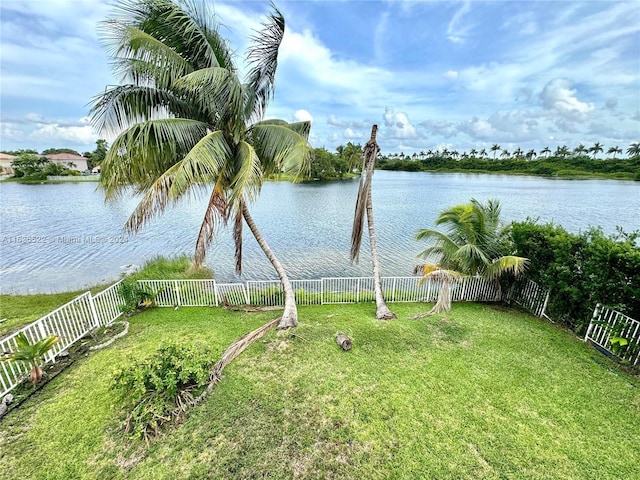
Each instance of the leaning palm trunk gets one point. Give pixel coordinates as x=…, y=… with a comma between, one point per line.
x=290, y=315
x=364, y=205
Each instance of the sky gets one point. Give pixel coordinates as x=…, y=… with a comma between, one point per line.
x=431, y=74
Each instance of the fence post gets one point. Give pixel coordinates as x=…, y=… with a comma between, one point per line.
x=594, y=317
x=322, y=291
x=544, y=305
x=245, y=287
x=94, y=312
x=393, y=289
x=358, y=291
x=177, y=290
x=215, y=292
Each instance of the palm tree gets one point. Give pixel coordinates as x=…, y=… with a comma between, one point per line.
x=495, y=148
x=545, y=151
x=31, y=353
x=562, y=151
x=518, y=153
x=580, y=150
x=473, y=152
x=364, y=205
x=614, y=150
x=596, y=149
x=473, y=243
x=185, y=120
x=505, y=153
x=634, y=149
x=531, y=154
x=483, y=153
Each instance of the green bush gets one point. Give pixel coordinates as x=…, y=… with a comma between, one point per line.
x=158, y=389
x=135, y=295
x=581, y=270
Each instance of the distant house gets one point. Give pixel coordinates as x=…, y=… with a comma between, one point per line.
x=69, y=160
x=5, y=164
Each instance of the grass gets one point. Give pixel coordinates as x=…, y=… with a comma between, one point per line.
x=482, y=392
x=20, y=310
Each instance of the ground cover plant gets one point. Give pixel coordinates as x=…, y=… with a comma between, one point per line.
x=482, y=392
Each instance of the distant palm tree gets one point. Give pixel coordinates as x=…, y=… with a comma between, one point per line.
x=483, y=153
x=364, y=206
x=596, y=149
x=634, y=149
x=518, y=153
x=531, y=154
x=473, y=152
x=505, y=153
x=454, y=154
x=580, y=150
x=562, y=151
x=545, y=151
x=495, y=149
x=422, y=155
x=472, y=244
x=614, y=150
x=186, y=120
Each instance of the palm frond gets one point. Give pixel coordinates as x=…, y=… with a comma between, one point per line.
x=144, y=152
x=139, y=57
x=203, y=164
x=216, y=92
x=248, y=174
x=507, y=264
x=262, y=56
x=282, y=147
x=215, y=214
x=123, y=106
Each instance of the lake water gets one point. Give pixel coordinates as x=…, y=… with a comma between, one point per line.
x=63, y=236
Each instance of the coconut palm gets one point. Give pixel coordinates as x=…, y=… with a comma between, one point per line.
x=531, y=154
x=31, y=353
x=364, y=206
x=562, y=151
x=187, y=124
x=580, y=150
x=545, y=151
x=596, y=149
x=473, y=243
x=483, y=153
x=495, y=148
x=634, y=149
x=518, y=153
x=614, y=150
x=505, y=153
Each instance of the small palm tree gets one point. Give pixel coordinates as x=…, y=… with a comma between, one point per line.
x=531, y=154
x=473, y=244
x=495, y=149
x=545, y=151
x=32, y=353
x=580, y=150
x=505, y=153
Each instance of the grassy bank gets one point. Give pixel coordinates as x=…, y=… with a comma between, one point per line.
x=482, y=392
x=20, y=310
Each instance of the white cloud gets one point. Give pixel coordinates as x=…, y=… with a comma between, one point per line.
x=303, y=116
x=456, y=32
x=559, y=99
x=451, y=75
x=397, y=125
x=60, y=134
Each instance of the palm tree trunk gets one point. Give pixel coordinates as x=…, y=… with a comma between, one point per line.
x=382, y=311
x=290, y=315
x=371, y=152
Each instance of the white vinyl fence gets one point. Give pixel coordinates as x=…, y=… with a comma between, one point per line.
x=528, y=294
x=616, y=333
x=86, y=312
x=70, y=322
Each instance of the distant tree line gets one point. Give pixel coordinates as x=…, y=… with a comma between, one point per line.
x=580, y=161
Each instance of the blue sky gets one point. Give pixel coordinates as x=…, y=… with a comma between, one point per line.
x=431, y=74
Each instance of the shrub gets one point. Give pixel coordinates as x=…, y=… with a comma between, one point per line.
x=135, y=296
x=160, y=388
x=581, y=270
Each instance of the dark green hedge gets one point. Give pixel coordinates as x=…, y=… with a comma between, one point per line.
x=581, y=270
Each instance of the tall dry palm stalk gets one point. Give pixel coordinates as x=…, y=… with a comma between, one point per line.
x=186, y=123
x=364, y=206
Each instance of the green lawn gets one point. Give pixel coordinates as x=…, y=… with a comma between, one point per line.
x=482, y=392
